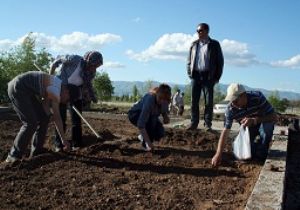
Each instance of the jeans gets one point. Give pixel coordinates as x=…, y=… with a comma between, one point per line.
x=35, y=121
x=154, y=127
x=76, y=120
x=207, y=87
x=260, y=146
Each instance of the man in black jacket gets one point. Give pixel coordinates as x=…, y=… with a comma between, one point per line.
x=204, y=67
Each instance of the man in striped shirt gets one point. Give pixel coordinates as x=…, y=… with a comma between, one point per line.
x=249, y=108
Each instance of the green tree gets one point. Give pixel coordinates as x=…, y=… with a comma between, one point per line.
x=218, y=95
x=149, y=84
x=174, y=89
x=19, y=60
x=135, y=93
x=278, y=105
x=103, y=86
x=188, y=94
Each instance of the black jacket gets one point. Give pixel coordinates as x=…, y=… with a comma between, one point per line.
x=215, y=56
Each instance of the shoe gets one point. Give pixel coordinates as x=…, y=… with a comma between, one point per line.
x=38, y=152
x=11, y=159
x=74, y=148
x=140, y=137
x=146, y=147
x=207, y=129
x=192, y=127
x=58, y=149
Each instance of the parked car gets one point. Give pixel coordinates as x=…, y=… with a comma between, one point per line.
x=219, y=109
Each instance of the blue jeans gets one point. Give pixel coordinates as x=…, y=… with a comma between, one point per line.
x=154, y=127
x=260, y=146
x=207, y=87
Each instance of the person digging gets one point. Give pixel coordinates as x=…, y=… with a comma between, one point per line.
x=35, y=96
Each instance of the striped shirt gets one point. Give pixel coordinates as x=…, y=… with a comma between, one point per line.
x=257, y=106
x=71, y=63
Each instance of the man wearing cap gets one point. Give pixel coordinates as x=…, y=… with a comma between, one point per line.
x=204, y=67
x=77, y=73
x=249, y=108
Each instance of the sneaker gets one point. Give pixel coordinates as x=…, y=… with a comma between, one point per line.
x=38, y=152
x=11, y=159
x=74, y=148
x=146, y=147
x=58, y=149
x=207, y=129
x=140, y=137
x=192, y=127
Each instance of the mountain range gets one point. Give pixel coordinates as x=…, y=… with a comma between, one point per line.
x=126, y=87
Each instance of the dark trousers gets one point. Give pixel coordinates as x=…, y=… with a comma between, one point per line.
x=260, y=146
x=202, y=84
x=153, y=127
x=34, y=119
x=76, y=120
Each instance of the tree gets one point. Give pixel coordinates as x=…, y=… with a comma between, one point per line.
x=135, y=93
x=148, y=86
x=19, y=60
x=187, y=94
x=218, y=95
x=174, y=89
x=103, y=86
x=278, y=105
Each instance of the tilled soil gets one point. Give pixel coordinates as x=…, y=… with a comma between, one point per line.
x=115, y=173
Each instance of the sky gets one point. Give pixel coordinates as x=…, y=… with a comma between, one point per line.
x=149, y=40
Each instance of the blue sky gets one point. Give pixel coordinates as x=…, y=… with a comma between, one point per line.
x=142, y=40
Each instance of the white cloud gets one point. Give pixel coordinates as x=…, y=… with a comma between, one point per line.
x=293, y=62
x=237, y=53
x=112, y=65
x=176, y=46
x=68, y=43
x=167, y=47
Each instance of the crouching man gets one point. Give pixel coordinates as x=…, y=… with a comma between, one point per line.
x=249, y=108
x=32, y=94
x=145, y=115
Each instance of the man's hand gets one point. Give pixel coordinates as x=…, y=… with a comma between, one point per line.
x=249, y=122
x=216, y=160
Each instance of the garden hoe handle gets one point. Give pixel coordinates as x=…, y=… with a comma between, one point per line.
x=36, y=66
x=86, y=122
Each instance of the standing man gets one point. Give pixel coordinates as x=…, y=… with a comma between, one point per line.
x=77, y=73
x=251, y=109
x=204, y=67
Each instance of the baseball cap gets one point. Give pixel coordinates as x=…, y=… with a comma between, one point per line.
x=233, y=91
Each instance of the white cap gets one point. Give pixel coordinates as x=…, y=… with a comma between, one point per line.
x=233, y=91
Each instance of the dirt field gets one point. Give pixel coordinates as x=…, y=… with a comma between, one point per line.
x=115, y=173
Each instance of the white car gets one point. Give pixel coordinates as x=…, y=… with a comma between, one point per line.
x=220, y=108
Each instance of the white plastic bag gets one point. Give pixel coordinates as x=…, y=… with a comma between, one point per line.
x=241, y=144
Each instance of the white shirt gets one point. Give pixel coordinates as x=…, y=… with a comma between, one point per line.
x=54, y=87
x=202, y=58
x=75, y=78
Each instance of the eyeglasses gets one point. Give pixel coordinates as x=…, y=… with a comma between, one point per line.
x=200, y=30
